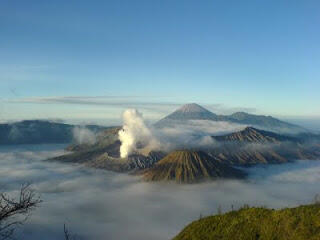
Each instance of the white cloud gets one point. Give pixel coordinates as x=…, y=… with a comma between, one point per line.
x=84, y=135
x=120, y=206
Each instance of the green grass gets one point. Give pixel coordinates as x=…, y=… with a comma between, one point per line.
x=301, y=223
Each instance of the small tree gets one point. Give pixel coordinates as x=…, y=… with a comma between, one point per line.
x=67, y=235
x=15, y=211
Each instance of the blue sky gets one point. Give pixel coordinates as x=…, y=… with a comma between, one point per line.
x=258, y=56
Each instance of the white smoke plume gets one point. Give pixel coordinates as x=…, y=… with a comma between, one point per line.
x=83, y=135
x=134, y=132
x=193, y=133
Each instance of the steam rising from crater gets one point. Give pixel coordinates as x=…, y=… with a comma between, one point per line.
x=137, y=136
x=134, y=131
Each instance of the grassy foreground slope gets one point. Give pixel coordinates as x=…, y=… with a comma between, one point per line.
x=300, y=223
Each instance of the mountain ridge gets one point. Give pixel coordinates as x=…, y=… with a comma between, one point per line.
x=251, y=134
x=194, y=111
x=257, y=223
x=39, y=132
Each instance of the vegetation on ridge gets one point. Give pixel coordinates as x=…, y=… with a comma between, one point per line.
x=300, y=223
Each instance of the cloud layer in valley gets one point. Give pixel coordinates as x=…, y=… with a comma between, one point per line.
x=97, y=204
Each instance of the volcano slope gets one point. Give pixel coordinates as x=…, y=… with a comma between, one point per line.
x=105, y=154
x=186, y=166
x=300, y=223
x=253, y=146
x=243, y=148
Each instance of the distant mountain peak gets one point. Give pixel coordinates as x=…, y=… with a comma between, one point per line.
x=191, y=111
x=192, y=108
x=250, y=129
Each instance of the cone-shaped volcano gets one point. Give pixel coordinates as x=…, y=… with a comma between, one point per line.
x=190, y=166
x=191, y=111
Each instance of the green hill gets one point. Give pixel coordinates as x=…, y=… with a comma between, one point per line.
x=300, y=223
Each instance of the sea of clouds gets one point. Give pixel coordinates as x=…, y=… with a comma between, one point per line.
x=99, y=205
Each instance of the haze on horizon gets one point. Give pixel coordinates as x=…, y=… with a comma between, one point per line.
x=163, y=79
x=82, y=61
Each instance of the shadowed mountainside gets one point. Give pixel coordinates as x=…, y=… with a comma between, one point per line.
x=190, y=166
x=253, y=146
x=253, y=135
x=105, y=154
x=107, y=138
x=267, y=123
x=300, y=223
x=39, y=132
